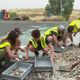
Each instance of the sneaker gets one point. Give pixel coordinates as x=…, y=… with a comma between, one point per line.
x=36, y=54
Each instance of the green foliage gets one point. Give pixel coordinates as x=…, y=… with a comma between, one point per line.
x=12, y=14
x=79, y=18
x=59, y=7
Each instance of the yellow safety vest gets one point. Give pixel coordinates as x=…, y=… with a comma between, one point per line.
x=75, y=24
x=42, y=40
x=54, y=29
x=3, y=45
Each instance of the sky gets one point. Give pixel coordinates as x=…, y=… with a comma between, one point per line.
x=11, y=4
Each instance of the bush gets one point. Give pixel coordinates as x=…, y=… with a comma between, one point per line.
x=59, y=18
x=54, y=18
x=12, y=14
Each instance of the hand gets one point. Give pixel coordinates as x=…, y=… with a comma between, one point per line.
x=17, y=47
x=17, y=59
x=71, y=44
x=74, y=34
x=64, y=45
x=23, y=50
x=26, y=58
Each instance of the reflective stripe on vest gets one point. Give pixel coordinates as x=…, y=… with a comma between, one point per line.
x=42, y=40
x=43, y=43
x=34, y=43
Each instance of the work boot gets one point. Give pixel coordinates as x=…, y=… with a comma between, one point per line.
x=36, y=54
x=44, y=54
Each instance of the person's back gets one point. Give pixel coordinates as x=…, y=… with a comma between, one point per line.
x=50, y=31
x=74, y=26
x=75, y=22
x=55, y=34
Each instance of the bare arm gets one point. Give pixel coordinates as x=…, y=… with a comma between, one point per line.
x=27, y=48
x=56, y=41
x=10, y=53
x=65, y=35
x=19, y=48
x=71, y=38
x=51, y=52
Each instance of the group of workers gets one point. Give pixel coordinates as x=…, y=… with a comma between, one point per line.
x=10, y=45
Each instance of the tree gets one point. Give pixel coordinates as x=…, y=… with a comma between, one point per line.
x=59, y=7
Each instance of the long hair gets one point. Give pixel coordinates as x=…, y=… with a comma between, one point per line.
x=12, y=36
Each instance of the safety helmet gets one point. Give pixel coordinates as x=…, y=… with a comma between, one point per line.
x=61, y=27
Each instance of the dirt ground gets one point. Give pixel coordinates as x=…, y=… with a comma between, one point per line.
x=61, y=67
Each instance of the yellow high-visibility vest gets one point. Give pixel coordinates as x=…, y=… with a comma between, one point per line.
x=54, y=29
x=42, y=40
x=3, y=45
x=75, y=24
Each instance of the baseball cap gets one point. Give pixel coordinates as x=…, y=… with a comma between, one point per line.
x=61, y=27
x=18, y=30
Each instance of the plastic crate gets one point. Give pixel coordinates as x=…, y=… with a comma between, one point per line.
x=25, y=67
x=43, y=64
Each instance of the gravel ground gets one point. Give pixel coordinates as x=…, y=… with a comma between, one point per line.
x=61, y=71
